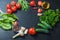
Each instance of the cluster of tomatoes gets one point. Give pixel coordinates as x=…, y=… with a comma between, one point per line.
x=12, y=7
x=33, y=4
x=41, y=6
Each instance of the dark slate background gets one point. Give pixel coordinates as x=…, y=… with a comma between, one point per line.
x=29, y=19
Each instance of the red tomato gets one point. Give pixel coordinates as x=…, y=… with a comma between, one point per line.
x=39, y=3
x=13, y=3
x=18, y=5
x=32, y=3
x=32, y=31
x=40, y=10
x=9, y=11
x=8, y=6
x=14, y=8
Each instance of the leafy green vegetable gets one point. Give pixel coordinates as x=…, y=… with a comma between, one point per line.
x=48, y=19
x=7, y=20
x=50, y=16
x=24, y=3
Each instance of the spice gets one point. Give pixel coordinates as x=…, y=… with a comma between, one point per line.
x=45, y=5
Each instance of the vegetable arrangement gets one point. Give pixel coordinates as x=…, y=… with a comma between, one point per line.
x=47, y=19
x=33, y=31
x=41, y=5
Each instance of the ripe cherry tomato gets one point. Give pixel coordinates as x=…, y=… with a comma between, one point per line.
x=8, y=6
x=14, y=8
x=13, y=3
x=9, y=11
x=32, y=31
x=18, y=5
x=40, y=10
x=39, y=3
x=32, y=3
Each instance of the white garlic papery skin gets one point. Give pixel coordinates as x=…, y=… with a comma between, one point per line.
x=39, y=14
x=16, y=35
x=26, y=31
x=20, y=33
x=23, y=28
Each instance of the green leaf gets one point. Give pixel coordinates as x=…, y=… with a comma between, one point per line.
x=50, y=16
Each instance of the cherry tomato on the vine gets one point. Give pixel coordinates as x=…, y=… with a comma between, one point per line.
x=8, y=6
x=18, y=5
x=40, y=10
x=14, y=8
x=39, y=3
x=9, y=11
x=32, y=3
x=13, y=3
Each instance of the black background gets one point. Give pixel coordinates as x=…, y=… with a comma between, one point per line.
x=28, y=19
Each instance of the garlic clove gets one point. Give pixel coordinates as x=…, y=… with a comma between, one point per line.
x=39, y=14
x=23, y=28
x=26, y=31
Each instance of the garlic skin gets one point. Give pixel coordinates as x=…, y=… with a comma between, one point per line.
x=39, y=14
x=19, y=33
x=26, y=31
x=23, y=31
x=23, y=28
x=16, y=35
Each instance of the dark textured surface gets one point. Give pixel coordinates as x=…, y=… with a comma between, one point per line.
x=29, y=19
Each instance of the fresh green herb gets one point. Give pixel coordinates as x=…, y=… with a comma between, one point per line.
x=24, y=3
x=7, y=20
x=50, y=17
